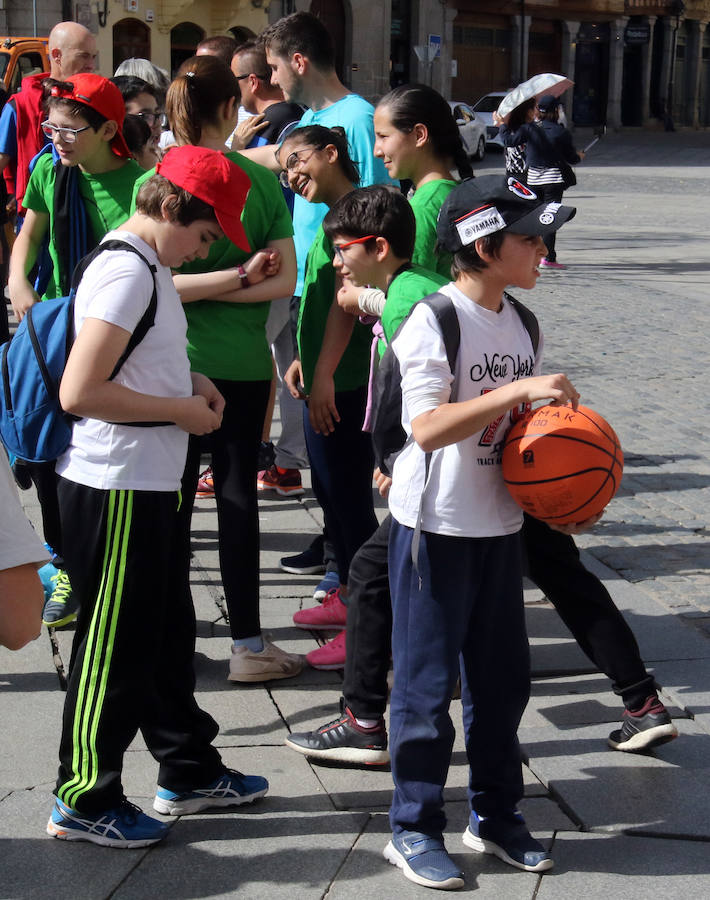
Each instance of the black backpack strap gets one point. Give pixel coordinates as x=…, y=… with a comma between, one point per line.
x=147, y=320
x=528, y=318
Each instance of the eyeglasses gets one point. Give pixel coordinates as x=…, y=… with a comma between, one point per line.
x=292, y=160
x=68, y=135
x=150, y=118
x=255, y=74
x=340, y=247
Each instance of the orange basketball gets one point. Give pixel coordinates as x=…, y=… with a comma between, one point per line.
x=562, y=466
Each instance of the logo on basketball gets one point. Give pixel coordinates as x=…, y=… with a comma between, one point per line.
x=528, y=458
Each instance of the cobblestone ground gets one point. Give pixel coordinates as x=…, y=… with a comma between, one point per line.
x=628, y=322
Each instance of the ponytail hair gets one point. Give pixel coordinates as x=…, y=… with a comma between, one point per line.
x=414, y=104
x=318, y=137
x=201, y=86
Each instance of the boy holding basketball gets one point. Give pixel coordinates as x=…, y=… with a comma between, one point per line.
x=455, y=567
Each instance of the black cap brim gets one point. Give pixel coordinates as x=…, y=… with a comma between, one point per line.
x=542, y=220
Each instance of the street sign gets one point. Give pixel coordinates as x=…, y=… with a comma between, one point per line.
x=434, y=46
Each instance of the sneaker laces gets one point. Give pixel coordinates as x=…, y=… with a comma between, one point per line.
x=332, y=597
x=61, y=591
x=128, y=812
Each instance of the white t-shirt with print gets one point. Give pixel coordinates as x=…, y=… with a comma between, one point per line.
x=117, y=288
x=465, y=494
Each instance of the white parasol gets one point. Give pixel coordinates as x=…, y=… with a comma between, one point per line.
x=536, y=86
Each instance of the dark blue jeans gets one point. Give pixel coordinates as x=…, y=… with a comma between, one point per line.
x=464, y=606
x=341, y=474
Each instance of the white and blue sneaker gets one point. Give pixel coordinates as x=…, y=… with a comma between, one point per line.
x=229, y=789
x=126, y=826
x=423, y=859
x=329, y=582
x=507, y=837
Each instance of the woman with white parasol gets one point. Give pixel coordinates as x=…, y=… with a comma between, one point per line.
x=549, y=149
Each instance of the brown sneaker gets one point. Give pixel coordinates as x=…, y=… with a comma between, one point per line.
x=270, y=663
x=286, y=482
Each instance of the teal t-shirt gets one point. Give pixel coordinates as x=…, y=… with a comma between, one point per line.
x=426, y=203
x=405, y=289
x=354, y=115
x=106, y=195
x=228, y=340
x=317, y=297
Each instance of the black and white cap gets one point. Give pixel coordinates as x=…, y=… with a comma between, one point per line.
x=482, y=206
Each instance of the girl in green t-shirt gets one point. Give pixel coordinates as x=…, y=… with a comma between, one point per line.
x=226, y=299
x=332, y=371
x=418, y=140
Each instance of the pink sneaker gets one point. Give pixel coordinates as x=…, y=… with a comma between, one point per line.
x=548, y=264
x=329, y=616
x=330, y=655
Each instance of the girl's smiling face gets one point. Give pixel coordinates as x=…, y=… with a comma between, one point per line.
x=395, y=148
x=307, y=169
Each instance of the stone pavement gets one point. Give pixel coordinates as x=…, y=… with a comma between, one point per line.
x=628, y=322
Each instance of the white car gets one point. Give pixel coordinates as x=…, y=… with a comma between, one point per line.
x=471, y=129
x=485, y=107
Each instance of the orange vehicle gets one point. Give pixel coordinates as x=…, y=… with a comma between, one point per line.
x=20, y=56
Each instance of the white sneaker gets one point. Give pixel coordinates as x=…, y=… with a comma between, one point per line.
x=271, y=662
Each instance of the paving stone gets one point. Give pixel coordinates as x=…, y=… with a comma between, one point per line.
x=36, y=866
x=599, y=866
x=615, y=791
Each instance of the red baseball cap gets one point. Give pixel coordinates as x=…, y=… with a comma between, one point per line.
x=102, y=95
x=210, y=176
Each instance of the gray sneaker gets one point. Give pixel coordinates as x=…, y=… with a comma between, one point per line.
x=61, y=608
x=270, y=663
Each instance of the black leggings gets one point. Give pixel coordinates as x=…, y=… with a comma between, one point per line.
x=550, y=193
x=581, y=600
x=234, y=448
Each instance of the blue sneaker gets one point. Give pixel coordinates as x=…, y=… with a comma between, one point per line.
x=125, y=826
x=331, y=580
x=230, y=789
x=423, y=860
x=46, y=574
x=507, y=837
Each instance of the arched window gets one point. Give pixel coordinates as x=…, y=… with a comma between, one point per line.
x=184, y=39
x=131, y=38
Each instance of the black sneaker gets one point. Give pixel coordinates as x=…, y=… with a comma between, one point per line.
x=644, y=728
x=267, y=456
x=343, y=740
x=310, y=562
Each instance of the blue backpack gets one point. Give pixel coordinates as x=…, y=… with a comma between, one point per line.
x=33, y=426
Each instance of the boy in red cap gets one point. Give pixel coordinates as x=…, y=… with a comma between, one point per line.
x=119, y=495
x=81, y=187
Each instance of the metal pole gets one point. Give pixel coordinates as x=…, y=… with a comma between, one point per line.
x=521, y=77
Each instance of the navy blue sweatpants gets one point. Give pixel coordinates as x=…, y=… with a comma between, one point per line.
x=463, y=606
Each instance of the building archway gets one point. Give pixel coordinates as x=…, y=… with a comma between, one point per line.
x=131, y=40
x=333, y=15
x=184, y=39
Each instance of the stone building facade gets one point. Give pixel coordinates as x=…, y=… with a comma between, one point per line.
x=634, y=62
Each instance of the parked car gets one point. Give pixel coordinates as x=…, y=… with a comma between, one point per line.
x=485, y=107
x=20, y=56
x=471, y=128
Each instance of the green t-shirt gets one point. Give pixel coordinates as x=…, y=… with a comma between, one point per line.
x=316, y=299
x=426, y=203
x=106, y=196
x=403, y=292
x=228, y=340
